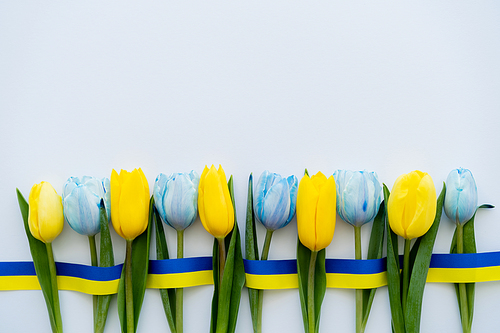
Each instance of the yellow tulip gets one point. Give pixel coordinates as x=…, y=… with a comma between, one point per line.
x=412, y=205
x=214, y=202
x=129, y=203
x=316, y=211
x=45, y=217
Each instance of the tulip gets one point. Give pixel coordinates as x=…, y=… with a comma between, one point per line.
x=274, y=206
x=214, y=203
x=46, y=221
x=412, y=205
x=129, y=203
x=176, y=198
x=81, y=201
x=359, y=194
x=358, y=201
x=275, y=199
x=460, y=202
x=45, y=215
x=316, y=202
x=129, y=215
x=411, y=210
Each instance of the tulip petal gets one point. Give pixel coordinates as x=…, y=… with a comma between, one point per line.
x=201, y=200
x=180, y=209
x=159, y=189
x=81, y=210
x=50, y=213
x=325, y=214
x=425, y=211
x=396, y=206
x=293, y=187
x=115, y=184
x=229, y=202
x=215, y=204
x=276, y=206
x=260, y=194
x=307, y=200
x=33, y=211
x=132, y=207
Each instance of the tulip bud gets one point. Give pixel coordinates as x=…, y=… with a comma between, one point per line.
x=275, y=199
x=412, y=205
x=316, y=202
x=176, y=198
x=129, y=203
x=460, y=202
x=45, y=217
x=214, y=202
x=359, y=194
x=81, y=202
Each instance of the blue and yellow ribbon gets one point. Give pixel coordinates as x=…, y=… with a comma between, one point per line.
x=268, y=274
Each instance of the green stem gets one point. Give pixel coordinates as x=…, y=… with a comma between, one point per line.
x=55, y=292
x=265, y=253
x=464, y=307
x=359, y=292
x=129, y=300
x=93, y=259
x=310, y=293
x=179, y=291
x=406, y=272
x=222, y=258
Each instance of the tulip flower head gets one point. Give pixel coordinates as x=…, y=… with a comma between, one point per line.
x=129, y=203
x=412, y=205
x=359, y=194
x=45, y=217
x=81, y=202
x=460, y=202
x=275, y=199
x=316, y=211
x=176, y=198
x=214, y=202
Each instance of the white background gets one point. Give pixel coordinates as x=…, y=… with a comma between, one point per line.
x=391, y=87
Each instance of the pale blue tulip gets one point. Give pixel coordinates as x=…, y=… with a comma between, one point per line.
x=460, y=201
x=81, y=201
x=359, y=194
x=176, y=198
x=275, y=200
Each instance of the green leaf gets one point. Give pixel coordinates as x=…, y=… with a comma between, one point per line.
x=375, y=251
x=251, y=251
x=41, y=262
x=303, y=259
x=140, y=264
x=393, y=275
x=106, y=259
x=233, y=279
x=420, y=269
x=167, y=295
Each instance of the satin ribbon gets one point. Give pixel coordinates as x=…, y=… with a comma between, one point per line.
x=268, y=274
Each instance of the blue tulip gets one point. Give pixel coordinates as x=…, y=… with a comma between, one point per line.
x=460, y=201
x=176, y=198
x=81, y=201
x=359, y=194
x=275, y=200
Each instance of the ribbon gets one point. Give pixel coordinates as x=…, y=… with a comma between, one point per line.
x=267, y=274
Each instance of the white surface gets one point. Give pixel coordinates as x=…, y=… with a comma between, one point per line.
x=87, y=86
